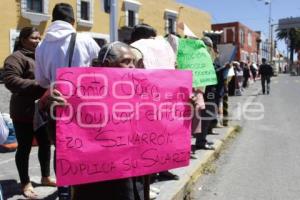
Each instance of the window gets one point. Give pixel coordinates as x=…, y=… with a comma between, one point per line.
x=229, y=35
x=245, y=56
x=171, y=25
x=170, y=20
x=242, y=37
x=35, y=6
x=249, y=39
x=85, y=13
x=35, y=10
x=84, y=10
x=131, y=18
x=131, y=8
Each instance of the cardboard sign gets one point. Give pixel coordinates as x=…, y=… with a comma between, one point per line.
x=192, y=55
x=121, y=123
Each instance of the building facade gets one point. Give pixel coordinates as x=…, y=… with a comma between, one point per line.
x=163, y=15
x=245, y=41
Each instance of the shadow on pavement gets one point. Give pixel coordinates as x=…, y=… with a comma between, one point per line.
x=10, y=188
x=52, y=196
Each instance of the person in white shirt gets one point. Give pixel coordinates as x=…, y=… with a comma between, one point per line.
x=52, y=52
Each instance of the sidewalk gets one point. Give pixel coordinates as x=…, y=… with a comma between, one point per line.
x=169, y=190
x=178, y=189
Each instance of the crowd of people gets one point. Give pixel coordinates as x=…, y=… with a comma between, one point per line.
x=31, y=69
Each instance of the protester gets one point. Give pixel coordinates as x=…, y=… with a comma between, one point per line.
x=238, y=78
x=265, y=71
x=19, y=79
x=142, y=31
x=62, y=47
x=115, y=54
x=220, y=71
x=138, y=61
x=246, y=74
x=53, y=51
x=253, y=69
x=209, y=114
x=152, y=47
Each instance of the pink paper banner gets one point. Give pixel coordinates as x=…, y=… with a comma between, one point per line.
x=121, y=123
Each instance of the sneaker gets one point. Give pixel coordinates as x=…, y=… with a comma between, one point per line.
x=212, y=133
x=154, y=189
x=206, y=147
x=152, y=195
x=209, y=147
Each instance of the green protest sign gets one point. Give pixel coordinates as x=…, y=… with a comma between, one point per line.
x=192, y=55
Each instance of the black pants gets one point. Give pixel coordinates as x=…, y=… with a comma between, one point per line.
x=245, y=82
x=121, y=189
x=24, y=134
x=208, y=116
x=265, y=79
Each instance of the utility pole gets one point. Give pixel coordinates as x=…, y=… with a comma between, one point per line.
x=270, y=29
x=113, y=20
x=270, y=37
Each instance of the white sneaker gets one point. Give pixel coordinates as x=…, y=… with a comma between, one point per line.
x=152, y=195
x=154, y=189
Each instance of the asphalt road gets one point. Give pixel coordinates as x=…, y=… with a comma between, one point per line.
x=263, y=163
x=4, y=99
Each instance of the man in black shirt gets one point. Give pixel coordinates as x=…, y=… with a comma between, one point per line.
x=265, y=71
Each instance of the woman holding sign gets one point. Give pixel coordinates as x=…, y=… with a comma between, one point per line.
x=115, y=54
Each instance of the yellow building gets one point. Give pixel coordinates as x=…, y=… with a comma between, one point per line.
x=163, y=15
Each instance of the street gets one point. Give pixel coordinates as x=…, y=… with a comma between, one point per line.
x=263, y=162
x=8, y=174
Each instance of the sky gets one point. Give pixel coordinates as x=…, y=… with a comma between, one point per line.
x=252, y=13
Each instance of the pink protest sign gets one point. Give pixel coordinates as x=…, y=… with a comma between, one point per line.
x=121, y=123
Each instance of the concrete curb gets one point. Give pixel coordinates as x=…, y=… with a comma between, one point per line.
x=187, y=182
x=178, y=190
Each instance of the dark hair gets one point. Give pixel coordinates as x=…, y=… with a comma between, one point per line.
x=142, y=31
x=24, y=34
x=64, y=12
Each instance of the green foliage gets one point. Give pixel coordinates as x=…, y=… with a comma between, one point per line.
x=292, y=34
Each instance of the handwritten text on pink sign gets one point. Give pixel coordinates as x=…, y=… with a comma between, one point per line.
x=121, y=123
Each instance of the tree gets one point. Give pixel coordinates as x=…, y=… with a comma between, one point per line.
x=293, y=35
